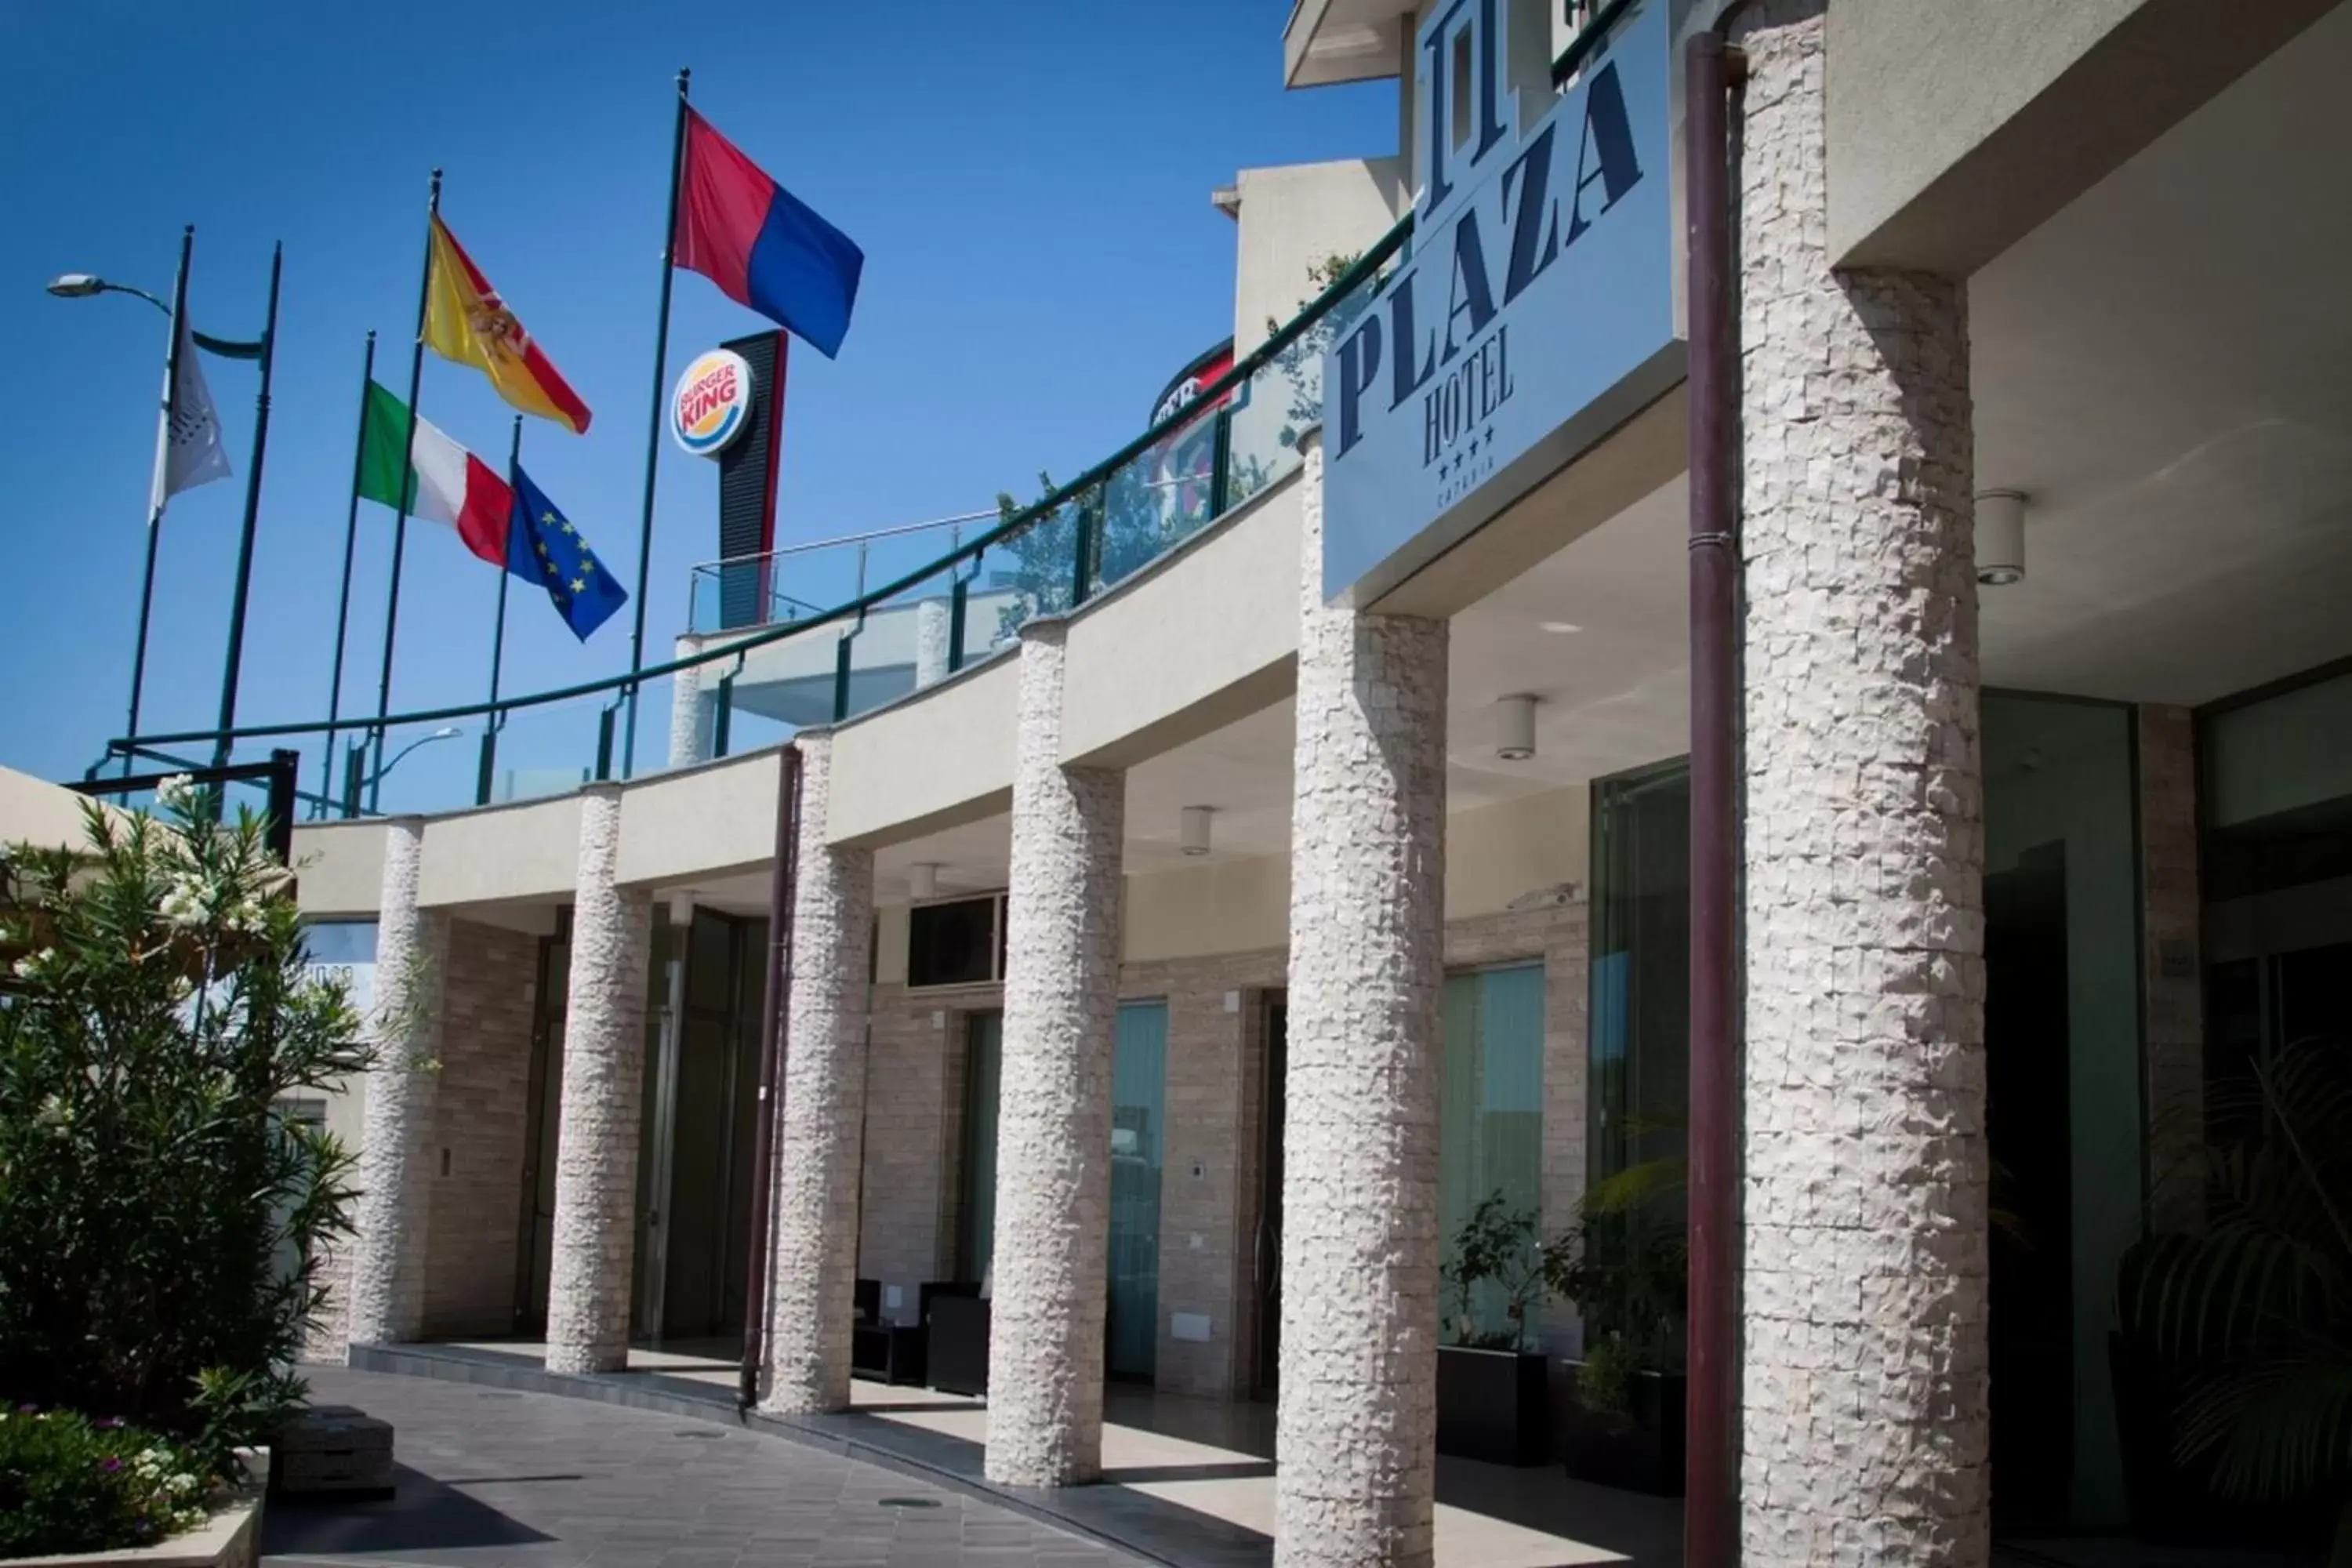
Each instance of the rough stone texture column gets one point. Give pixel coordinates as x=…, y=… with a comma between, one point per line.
x=820, y=1126
x=386, y=1285
x=1053, y=1139
x=2172, y=963
x=1864, y=1240
x=932, y=624
x=1356, y=1473
x=693, y=716
x=604, y=1093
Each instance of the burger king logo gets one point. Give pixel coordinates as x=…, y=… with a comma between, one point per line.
x=712, y=403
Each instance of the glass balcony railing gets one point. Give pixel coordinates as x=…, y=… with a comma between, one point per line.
x=819, y=633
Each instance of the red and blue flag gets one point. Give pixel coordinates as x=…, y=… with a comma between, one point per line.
x=762, y=245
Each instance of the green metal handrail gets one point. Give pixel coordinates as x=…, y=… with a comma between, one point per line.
x=1365, y=267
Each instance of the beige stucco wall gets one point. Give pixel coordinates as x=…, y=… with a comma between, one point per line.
x=1293, y=218
x=530, y=850
x=700, y=821
x=934, y=759
x=1199, y=639
x=37, y=812
x=339, y=869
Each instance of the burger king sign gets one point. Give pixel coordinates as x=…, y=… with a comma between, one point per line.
x=711, y=405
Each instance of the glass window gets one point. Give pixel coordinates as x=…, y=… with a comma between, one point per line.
x=1490, y=1126
x=953, y=944
x=1138, y=1083
x=2275, y=787
x=1639, y=1077
x=2063, y=1103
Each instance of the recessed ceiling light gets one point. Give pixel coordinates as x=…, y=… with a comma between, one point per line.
x=1562, y=627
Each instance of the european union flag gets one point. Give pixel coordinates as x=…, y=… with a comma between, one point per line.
x=544, y=547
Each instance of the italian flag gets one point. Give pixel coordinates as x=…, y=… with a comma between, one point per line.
x=446, y=484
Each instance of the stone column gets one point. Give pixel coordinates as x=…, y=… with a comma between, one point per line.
x=1865, y=1241
x=821, y=1125
x=604, y=1094
x=1356, y=1432
x=693, y=715
x=1053, y=1139
x=933, y=626
x=395, y=1170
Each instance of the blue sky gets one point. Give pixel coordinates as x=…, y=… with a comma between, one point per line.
x=1030, y=183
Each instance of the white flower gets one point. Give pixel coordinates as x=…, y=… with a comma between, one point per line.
x=177, y=791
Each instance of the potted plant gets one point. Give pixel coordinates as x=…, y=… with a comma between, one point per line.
x=2233, y=1349
x=1491, y=1397
x=1623, y=1420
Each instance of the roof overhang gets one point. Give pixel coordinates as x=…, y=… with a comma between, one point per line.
x=1330, y=41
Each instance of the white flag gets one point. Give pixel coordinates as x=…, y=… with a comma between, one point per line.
x=188, y=444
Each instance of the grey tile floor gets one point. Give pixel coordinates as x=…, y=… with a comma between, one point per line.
x=492, y=1480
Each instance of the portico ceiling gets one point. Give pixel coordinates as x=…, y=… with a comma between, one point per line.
x=2165, y=367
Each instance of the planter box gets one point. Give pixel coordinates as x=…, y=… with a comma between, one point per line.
x=230, y=1539
x=1491, y=1406
x=959, y=1344
x=1641, y=1452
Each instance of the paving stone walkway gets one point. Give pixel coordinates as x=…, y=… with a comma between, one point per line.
x=491, y=1480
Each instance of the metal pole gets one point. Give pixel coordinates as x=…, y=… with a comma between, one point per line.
x=155, y=495
x=282, y=766
x=498, y=637
x=351, y=541
x=778, y=998
x=1710, y=1522
x=653, y=423
x=400, y=515
x=232, y=666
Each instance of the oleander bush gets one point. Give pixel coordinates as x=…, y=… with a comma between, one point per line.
x=162, y=1212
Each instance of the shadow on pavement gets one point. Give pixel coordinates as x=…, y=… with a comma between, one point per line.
x=422, y=1514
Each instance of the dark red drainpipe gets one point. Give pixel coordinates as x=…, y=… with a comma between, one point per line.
x=1710, y=1473
x=771, y=1029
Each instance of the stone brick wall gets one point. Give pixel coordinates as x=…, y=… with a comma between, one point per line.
x=911, y=1211
x=481, y=1114
x=2171, y=966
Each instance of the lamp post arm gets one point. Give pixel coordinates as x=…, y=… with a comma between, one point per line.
x=226, y=348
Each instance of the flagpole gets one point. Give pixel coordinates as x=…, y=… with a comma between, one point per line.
x=493, y=719
x=234, y=664
x=155, y=497
x=351, y=542
x=407, y=486
x=654, y=423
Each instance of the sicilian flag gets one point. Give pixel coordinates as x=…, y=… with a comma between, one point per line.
x=465, y=320
x=763, y=248
x=446, y=484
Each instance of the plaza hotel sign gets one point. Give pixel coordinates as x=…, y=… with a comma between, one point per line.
x=1534, y=314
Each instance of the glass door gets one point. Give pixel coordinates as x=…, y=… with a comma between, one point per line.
x=984, y=1070
x=1139, y=1084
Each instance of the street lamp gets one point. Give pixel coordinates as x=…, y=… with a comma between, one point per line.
x=88, y=285
x=446, y=732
